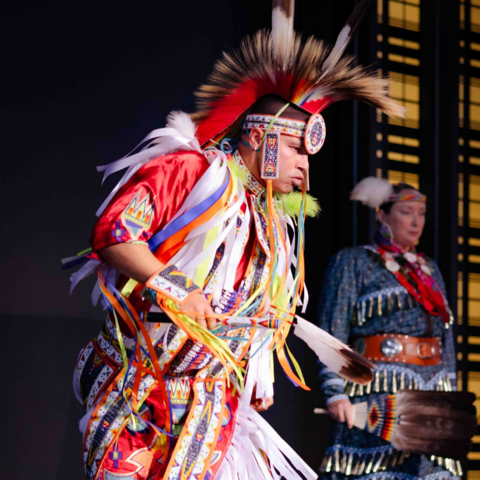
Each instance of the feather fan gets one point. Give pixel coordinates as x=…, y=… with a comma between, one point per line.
x=425, y=422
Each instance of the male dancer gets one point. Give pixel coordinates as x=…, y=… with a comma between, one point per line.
x=199, y=273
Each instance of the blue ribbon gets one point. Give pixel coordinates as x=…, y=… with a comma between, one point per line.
x=186, y=218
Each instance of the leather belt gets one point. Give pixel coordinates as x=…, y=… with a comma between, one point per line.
x=389, y=347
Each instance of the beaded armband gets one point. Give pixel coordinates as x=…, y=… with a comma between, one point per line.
x=172, y=283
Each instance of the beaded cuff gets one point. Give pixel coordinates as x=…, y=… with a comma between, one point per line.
x=172, y=283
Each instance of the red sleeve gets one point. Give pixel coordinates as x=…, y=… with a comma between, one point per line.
x=149, y=200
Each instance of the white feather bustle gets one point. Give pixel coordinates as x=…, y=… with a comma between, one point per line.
x=372, y=191
x=182, y=122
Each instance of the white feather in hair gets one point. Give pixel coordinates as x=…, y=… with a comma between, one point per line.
x=372, y=191
x=182, y=122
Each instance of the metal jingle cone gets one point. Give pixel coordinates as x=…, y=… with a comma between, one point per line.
x=357, y=466
x=385, y=381
x=323, y=466
x=368, y=388
x=394, y=382
x=362, y=466
x=378, y=463
x=370, y=464
x=348, y=470
x=376, y=386
x=343, y=463
x=328, y=468
x=459, y=468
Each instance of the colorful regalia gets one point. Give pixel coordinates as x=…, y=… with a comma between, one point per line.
x=164, y=397
x=391, y=306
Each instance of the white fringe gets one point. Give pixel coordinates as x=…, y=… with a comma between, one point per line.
x=244, y=461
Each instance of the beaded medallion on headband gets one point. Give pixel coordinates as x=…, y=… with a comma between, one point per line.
x=315, y=134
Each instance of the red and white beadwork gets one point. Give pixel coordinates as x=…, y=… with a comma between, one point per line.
x=315, y=134
x=286, y=126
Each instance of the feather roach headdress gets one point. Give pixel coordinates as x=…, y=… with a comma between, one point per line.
x=306, y=73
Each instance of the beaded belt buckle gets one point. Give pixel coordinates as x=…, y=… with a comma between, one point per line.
x=424, y=356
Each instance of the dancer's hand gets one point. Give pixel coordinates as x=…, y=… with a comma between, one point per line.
x=197, y=304
x=138, y=262
x=257, y=404
x=341, y=411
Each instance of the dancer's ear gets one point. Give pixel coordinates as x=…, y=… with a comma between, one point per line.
x=255, y=138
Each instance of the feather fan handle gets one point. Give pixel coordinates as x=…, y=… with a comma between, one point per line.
x=282, y=27
x=333, y=353
x=372, y=191
x=345, y=36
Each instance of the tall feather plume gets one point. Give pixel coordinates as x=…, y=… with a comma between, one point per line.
x=372, y=191
x=240, y=78
x=282, y=27
x=334, y=354
x=346, y=35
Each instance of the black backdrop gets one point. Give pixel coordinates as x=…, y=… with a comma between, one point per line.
x=83, y=83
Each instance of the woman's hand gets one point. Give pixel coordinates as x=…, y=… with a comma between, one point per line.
x=342, y=411
x=197, y=304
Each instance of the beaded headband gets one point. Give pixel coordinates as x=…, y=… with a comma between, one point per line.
x=313, y=132
x=418, y=197
x=287, y=126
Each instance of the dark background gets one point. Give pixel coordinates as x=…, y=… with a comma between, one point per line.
x=82, y=84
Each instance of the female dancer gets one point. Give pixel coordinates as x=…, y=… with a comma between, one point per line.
x=388, y=301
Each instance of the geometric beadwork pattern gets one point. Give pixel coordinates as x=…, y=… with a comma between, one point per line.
x=270, y=156
x=138, y=216
x=200, y=431
x=173, y=283
x=381, y=415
